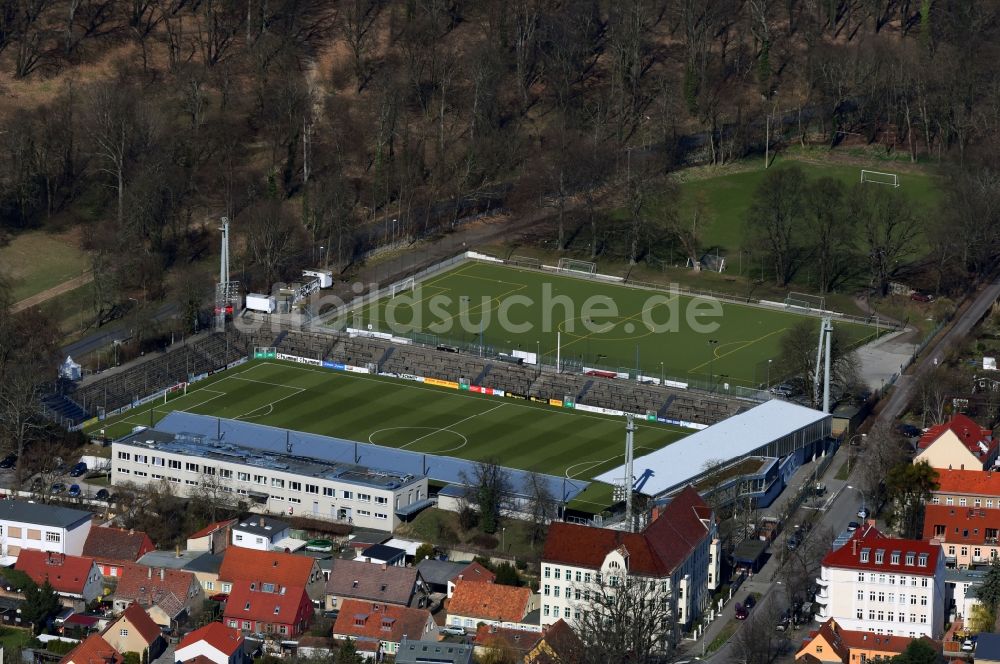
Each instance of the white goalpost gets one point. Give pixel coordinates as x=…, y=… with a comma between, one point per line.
x=875, y=177
x=401, y=287
x=805, y=302
x=573, y=265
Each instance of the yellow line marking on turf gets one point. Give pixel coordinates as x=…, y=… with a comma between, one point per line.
x=618, y=322
x=716, y=356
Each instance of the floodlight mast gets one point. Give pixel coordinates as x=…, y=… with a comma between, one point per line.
x=629, y=475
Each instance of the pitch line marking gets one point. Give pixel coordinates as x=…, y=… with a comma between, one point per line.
x=448, y=428
x=591, y=464
x=465, y=440
x=270, y=406
x=415, y=386
x=746, y=344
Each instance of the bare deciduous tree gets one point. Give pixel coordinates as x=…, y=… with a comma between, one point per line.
x=627, y=614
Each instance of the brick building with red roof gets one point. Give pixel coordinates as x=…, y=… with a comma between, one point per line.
x=215, y=643
x=884, y=585
x=967, y=488
x=378, y=628
x=280, y=569
x=168, y=595
x=268, y=608
x=111, y=547
x=76, y=579
x=967, y=535
x=678, y=550
x=492, y=604
x=959, y=444
x=832, y=644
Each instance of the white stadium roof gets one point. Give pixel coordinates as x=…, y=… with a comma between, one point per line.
x=730, y=439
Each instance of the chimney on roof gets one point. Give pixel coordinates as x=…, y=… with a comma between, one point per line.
x=461, y=576
x=854, y=546
x=871, y=522
x=163, y=574
x=261, y=522
x=384, y=565
x=149, y=572
x=131, y=531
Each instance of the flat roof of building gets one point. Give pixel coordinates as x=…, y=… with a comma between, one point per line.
x=260, y=524
x=40, y=514
x=740, y=435
x=201, y=446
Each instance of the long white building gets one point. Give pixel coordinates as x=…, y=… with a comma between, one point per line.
x=678, y=552
x=26, y=525
x=878, y=584
x=268, y=481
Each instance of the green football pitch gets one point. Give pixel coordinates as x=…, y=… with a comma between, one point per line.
x=661, y=334
x=407, y=415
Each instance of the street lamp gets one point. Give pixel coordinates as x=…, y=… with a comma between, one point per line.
x=503, y=538
x=769, y=373
x=712, y=343
x=661, y=373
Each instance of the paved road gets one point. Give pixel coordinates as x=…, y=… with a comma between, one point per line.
x=105, y=336
x=903, y=391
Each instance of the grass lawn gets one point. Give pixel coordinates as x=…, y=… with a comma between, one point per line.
x=37, y=261
x=403, y=414
x=592, y=323
x=442, y=528
x=843, y=472
x=727, y=632
x=729, y=195
x=12, y=638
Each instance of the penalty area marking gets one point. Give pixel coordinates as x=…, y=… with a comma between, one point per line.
x=433, y=430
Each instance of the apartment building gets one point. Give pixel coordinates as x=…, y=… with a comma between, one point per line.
x=967, y=488
x=968, y=535
x=40, y=527
x=268, y=481
x=883, y=585
x=678, y=552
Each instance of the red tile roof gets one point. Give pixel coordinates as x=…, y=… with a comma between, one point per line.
x=66, y=574
x=476, y=572
x=283, y=569
x=211, y=528
x=93, y=650
x=170, y=589
x=285, y=605
x=970, y=433
x=140, y=620
x=970, y=482
x=224, y=639
x=657, y=551
x=867, y=541
x=502, y=637
x=116, y=544
x=489, y=601
x=382, y=622
x=962, y=525
x=563, y=645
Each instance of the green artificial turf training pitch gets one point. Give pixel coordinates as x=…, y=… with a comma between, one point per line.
x=407, y=415
x=464, y=304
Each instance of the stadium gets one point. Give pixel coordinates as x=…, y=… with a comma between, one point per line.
x=418, y=402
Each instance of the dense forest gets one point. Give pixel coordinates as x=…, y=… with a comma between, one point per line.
x=315, y=122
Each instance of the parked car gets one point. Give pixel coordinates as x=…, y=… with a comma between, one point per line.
x=783, y=390
x=452, y=630
x=57, y=488
x=784, y=621
x=793, y=542
x=74, y=491
x=908, y=430
x=103, y=494
x=9, y=461
x=921, y=297
x=219, y=597
x=852, y=526
x=78, y=470
x=863, y=513
x=750, y=602
x=741, y=612
x=968, y=645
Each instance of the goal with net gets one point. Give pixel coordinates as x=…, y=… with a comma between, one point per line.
x=805, y=302
x=401, y=287
x=573, y=265
x=525, y=261
x=264, y=353
x=875, y=177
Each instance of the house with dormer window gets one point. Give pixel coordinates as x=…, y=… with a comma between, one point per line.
x=264, y=607
x=378, y=628
x=883, y=585
x=677, y=552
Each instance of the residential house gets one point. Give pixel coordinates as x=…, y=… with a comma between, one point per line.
x=134, y=631
x=110, y=547
x=559, y=644
x=988, y=649
x=442, y=575
x=93, y=650
x=433, y=652
x=350, y=579
x=280, y=569
x=268, y=608
x=968, y=535
x=76, y=579
x=215, y=643
x=380, y=554
x=203, y=564
x=959, y=444
x=494, y=643
x=213, y=538
x=476, y=602
x=960, y=592
x=316, y=647
x=832, y=644
x=884, y=585
x=170, y=596
x=377, y=629
x=677, y=552
x=263, y=533
x=967, y=488
x=25, y=525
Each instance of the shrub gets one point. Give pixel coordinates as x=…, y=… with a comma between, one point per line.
x=484, y=541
